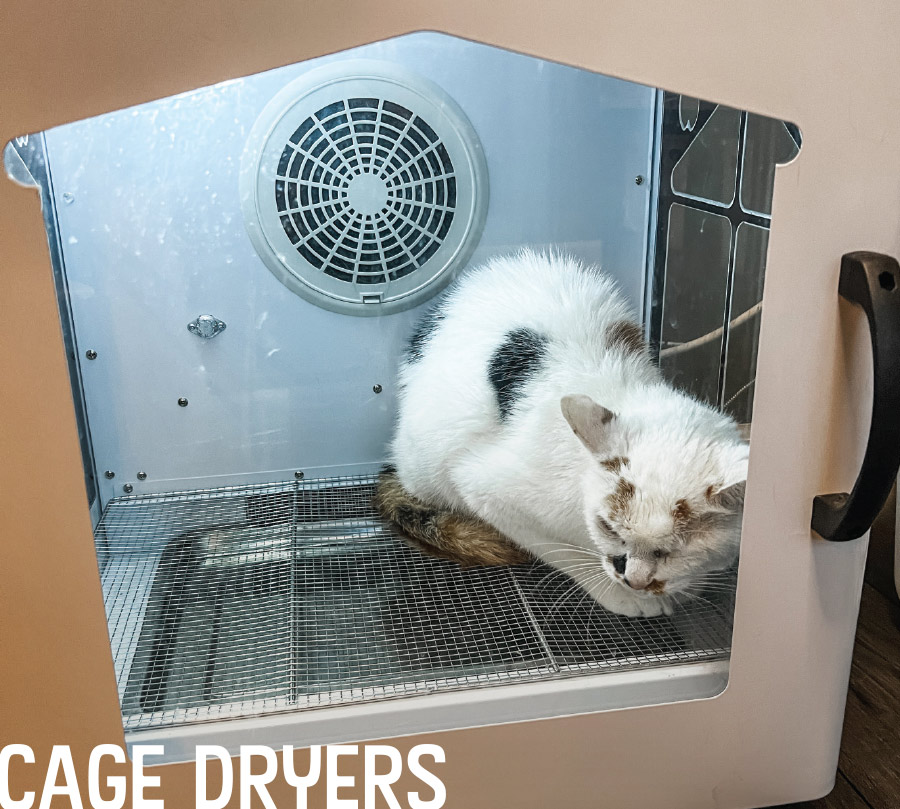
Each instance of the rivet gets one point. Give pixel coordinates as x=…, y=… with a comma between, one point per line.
x=639, y=180
x=90, y=354
x=182, y=402
x=299, y=475
x=109, y=474
x=377, y=388
x=141, y=475
x=128, y=488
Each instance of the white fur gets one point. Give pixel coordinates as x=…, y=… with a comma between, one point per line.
x=530, y=476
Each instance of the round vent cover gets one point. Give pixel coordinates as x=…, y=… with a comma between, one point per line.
x=363, y=187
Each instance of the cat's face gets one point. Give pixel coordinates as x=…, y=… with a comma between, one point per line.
x=663, y=506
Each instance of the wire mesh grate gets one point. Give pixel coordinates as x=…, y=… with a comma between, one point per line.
x=251, y=600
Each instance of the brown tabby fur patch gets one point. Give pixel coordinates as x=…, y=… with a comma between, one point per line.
x=682, y=513
x=440, y=532
x=627, y=336
x=614, y=464
x=620, y=498
x=656, y=586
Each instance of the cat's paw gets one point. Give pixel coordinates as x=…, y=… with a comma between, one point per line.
x=634, y=605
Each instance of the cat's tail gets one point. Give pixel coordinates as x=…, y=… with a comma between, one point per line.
x=440, y=532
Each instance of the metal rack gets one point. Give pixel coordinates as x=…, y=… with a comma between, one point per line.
x=251, y=600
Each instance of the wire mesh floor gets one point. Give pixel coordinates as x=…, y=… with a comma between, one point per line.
x=257, y=599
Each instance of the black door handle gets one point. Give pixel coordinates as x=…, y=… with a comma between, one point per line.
x=871, y=280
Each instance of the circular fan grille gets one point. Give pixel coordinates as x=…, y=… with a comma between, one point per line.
x=366, y=190
x=364, y=198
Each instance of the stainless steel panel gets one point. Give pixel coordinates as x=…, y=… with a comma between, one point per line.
x=152, y=234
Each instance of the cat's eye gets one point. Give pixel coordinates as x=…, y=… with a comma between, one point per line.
x=658, y=554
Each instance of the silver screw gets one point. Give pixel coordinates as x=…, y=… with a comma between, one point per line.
x=299, y=475
x=109, y=474
x=68, y=197
x=128, y=488
x=90, y=354
x=377, y=388
x=141, y=475
x=182, y=402
x=639, y=180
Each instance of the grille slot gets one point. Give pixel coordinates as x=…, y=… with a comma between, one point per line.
x=262, y=599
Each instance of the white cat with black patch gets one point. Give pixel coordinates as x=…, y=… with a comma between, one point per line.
x=528, y=400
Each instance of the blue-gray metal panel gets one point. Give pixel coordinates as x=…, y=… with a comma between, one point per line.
x=152, y=233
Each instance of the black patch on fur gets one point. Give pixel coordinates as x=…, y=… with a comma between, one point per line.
x=425, y=327
x=517, y=359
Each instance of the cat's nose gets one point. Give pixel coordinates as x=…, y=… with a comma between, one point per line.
x=635, y=585
x=638, y=582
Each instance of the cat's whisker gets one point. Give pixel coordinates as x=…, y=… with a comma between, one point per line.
x=589, y=583
x=596, y=597
x=719, y=588
x=555, y=573
x=559, y=559
x=711, y=580
x=707, y=602
x=698, y=598
x=716, y=576
x=565, y=595
x=586, y=595
x=568, y=548
x=574, y=551
x=585, y=587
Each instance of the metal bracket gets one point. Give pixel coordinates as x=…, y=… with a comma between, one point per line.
x=206, y=326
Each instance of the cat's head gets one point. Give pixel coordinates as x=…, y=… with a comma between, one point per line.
x=663, y=491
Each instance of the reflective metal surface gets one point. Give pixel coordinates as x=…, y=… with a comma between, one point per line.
x=155, y=236
x=206, y=326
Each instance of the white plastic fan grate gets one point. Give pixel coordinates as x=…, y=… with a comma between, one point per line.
x=373, y=197
x=366, y=190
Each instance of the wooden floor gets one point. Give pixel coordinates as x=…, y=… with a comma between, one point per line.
x=869, y=769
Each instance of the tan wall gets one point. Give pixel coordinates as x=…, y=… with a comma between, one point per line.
x=61, y=62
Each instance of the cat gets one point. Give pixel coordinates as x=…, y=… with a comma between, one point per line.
x=533, y=423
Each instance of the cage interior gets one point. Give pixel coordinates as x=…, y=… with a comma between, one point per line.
x=238, y=271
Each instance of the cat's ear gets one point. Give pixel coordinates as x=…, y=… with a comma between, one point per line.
x=728, y=495
x=588, y=420
x=730, y=498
